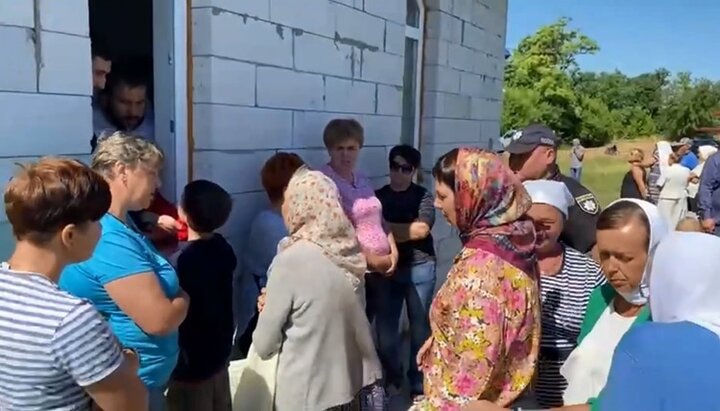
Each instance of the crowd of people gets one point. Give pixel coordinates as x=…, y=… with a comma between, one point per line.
x=552, y=303
x=672, y=179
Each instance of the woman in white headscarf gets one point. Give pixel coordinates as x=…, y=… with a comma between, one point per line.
x=567, y=279
x=673, y=362
x=628, y=231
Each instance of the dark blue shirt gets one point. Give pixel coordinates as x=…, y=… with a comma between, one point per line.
x=708, y=196
x=664, y=367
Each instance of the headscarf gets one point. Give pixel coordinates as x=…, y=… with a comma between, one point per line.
x=658, y=230
x=490, y=206
x=684, y=282
x=706, y=151
x=314, y=214
x=550, y=192
x=664, y=149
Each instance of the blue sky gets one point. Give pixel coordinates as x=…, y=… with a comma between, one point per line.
x=635, y=36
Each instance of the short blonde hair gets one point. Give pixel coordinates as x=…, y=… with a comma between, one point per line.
x=690, y=224
x=127, y=149
x=636, y=154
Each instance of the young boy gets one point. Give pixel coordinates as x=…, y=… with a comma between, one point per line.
x=205, y=267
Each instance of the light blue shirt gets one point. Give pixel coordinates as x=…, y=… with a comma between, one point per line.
x=120, y=253
x=266, y=231
x=664, y=367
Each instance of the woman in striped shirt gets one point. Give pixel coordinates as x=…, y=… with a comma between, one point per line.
x=567, y=278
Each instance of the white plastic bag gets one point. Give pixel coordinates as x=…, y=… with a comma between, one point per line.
x=252, y=382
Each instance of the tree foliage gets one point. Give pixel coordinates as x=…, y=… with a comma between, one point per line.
x=543, y=83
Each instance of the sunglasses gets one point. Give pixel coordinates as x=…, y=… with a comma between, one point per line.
x=403, y=168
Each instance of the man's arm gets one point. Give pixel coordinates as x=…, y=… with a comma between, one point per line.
x=420, y=228
x=85, y=348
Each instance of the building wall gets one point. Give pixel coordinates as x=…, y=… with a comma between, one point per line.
x=462, y=87
x=44, y=85
x=269, y=74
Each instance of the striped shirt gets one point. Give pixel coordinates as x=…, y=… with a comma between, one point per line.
x=565, y=297
x=51, y=345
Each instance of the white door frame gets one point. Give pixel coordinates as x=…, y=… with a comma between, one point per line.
x=170, y=68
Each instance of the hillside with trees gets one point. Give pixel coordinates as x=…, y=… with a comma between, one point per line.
x=543, y=83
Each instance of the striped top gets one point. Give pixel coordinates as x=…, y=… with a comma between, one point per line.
x=51, y=345
x=565, y=297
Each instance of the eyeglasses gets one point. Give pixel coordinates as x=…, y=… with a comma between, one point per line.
x=403, y=168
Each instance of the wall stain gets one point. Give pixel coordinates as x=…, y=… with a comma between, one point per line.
x=298, y=32
x=355, y=43
x=280, y=31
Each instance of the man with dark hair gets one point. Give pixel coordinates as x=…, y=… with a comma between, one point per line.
x=101, y=66
x=125, y=106
x=533, y=156
x=205, y=269
x=408, y=209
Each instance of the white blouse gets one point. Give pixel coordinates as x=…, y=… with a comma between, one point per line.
x=586, y=369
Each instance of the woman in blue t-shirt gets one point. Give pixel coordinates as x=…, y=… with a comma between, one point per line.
x=129, y=282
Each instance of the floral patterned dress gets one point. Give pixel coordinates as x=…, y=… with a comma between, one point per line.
x=485, y=319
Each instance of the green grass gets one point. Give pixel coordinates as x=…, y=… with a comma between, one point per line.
x=603, y=174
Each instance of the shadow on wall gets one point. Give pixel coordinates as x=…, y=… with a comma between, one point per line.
x=7, y=242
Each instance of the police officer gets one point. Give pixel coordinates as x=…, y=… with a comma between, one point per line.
x=533, y=156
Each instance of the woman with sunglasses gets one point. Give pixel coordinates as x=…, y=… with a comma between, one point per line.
x=408, y=209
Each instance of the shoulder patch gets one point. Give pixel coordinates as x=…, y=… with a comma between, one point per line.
x=588, y=203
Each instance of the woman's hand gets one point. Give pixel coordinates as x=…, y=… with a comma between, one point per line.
x=423, y=353
x=132, y=359
x=378, y=263
x=261, y=300
x=167, y=223
x=482, y=406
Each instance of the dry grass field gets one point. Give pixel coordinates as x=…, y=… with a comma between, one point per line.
x=603, y=173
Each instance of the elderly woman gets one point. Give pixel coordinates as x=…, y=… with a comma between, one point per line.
x=266, y=231
x=485, y=319
x=312, y=314
x=628, y=232
x=567, y=278
x=132, y=285
x=672, y=362
x=343, y=139
x=672, y=202
x=58, y=353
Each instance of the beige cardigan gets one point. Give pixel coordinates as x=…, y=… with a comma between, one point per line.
x=316, y=321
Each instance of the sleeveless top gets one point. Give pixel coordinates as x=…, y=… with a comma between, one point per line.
x=629, y=188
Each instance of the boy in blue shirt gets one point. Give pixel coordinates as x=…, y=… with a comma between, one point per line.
x=205, y=266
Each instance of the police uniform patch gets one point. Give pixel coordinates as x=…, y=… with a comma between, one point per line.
x=588, y=203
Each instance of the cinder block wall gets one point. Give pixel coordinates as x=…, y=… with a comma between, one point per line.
x=269, y=74
x=45, y=85
x=462, y=87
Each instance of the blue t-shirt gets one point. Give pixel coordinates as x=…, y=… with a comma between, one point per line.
x=122, y=252
x=664, y=366
x=689, y=160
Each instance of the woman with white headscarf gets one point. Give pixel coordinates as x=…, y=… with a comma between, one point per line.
x=673, y=362
x=567, y=279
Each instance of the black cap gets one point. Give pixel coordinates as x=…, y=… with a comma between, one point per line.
x=531, y=137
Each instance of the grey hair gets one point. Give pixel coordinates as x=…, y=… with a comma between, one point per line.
x=127, y=149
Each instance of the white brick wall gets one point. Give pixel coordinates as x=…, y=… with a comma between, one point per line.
x=464, y=57
x=45, y=86
x=269, y=74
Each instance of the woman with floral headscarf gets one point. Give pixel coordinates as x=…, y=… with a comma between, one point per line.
x=485, y=319
x=312, y=313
